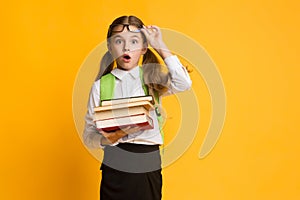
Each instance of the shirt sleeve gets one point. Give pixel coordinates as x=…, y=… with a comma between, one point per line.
x=91, y=136
x=180, y=79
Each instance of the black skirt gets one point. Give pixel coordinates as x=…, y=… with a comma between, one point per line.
x=131, y=172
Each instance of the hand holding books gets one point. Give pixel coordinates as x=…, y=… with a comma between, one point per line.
x=117, y=118
x=112, y=137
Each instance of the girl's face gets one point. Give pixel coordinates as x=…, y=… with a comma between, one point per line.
x=126, y=48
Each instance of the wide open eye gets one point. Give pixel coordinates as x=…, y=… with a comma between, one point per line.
x=118, y=41
x=134, y=41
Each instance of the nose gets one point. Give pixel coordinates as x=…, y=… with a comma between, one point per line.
x=126, y=47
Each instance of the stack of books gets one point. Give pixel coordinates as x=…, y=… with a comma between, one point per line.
x=115, y=114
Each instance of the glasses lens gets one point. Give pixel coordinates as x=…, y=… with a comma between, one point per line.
x=120, y=28
x=117, y=28
x=134, y=29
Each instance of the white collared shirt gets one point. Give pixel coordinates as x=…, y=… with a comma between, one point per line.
x=128, y=84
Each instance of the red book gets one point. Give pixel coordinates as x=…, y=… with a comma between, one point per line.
x=142, y=120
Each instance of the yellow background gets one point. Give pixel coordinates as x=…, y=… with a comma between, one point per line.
x=255, y=46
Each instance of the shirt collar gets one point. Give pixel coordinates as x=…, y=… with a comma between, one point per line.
x=120, y=74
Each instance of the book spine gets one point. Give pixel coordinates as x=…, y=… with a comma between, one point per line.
x=143, y=126
x=109, y=114
x=121, y=117
x=145, y=104
x=126, y=100
x=147, y=124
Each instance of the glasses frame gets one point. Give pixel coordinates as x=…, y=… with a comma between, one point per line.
x=127, y=26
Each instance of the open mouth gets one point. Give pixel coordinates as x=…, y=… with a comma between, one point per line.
x=127, y=57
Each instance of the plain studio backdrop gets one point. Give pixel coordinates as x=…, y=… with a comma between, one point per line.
x=255, y=46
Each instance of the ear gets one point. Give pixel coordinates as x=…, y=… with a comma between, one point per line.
x=145, y=48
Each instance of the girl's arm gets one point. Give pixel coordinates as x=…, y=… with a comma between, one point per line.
x=180, y=79
x=91, y=137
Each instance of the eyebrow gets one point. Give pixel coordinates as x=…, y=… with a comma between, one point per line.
x=135, y=36
x=119, y=36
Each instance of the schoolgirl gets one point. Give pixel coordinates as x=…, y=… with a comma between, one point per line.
x=131, y=168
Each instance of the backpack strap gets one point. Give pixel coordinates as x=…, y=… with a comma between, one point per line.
x=107, y=87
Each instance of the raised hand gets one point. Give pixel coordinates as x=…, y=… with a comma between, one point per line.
x=154, y=38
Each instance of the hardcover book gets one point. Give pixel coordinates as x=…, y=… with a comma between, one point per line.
x=144, y=121
x=122, y=112
x=118, y=113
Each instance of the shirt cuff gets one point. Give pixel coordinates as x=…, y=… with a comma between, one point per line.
x=97, y=140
